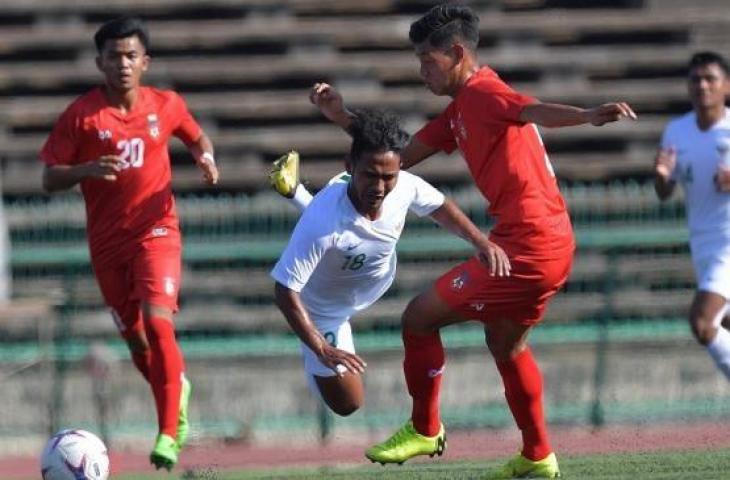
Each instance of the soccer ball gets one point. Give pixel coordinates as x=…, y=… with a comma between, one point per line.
x=75, y=455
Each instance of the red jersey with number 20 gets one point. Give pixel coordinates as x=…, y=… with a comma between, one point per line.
x=509, y=164
x=139, y=203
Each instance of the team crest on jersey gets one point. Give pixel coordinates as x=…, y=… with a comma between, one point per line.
x=459, y=281
x=154, y=124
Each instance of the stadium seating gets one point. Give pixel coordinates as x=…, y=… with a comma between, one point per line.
x=245, y=68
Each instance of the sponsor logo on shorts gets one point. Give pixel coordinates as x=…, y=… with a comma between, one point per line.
x=169, y=285
x=159, y=232
x=459, y=282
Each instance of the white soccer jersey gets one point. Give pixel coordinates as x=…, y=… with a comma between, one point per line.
x=342, y=262
x=699, y=153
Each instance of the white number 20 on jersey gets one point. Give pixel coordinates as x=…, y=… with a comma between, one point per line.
x=132, y=152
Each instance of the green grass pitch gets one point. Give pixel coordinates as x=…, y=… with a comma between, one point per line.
x=687, y=465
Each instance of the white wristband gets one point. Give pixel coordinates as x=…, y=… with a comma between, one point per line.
x=207, y=156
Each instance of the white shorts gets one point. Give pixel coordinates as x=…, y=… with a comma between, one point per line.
x=712, y=270
x=338, y=333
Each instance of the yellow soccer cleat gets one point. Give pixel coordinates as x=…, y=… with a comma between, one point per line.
x=284, y=174
x=407, y=443
x=164, y=455
x=522, y=467
x=183, y=425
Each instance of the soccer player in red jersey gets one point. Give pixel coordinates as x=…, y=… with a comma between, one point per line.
x=113, y=142
x=494, y=127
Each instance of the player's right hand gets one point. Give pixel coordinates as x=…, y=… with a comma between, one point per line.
x=106, y=167
x=495, y=258
x=331, y=357
x=328, y=100
x=665, y=162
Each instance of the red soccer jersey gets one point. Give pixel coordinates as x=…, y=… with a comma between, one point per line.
x=509, y=164
x=120, y=213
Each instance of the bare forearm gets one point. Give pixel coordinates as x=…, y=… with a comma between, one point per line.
x=201, y=146
x=554, y=115
x=415, y=152
x=63, y=177
x=450, y=217
x=290, y=304
x=663, y=187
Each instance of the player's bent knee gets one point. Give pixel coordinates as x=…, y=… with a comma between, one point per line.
x=345, y=409
x=137, y=341
x=703, y=331
x=343, y=395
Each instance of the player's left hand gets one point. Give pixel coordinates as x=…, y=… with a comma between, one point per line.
x=332, y=357
x=722, y=179
x=207, y=164
x=610, y=112
x=492, y=255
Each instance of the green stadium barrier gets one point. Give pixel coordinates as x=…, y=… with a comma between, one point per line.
x=269, y=249
x=262, y=345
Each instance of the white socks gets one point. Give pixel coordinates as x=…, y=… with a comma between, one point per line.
x=301, y=198
x=719, y=349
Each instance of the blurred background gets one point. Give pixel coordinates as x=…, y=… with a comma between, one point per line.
x=615, y=347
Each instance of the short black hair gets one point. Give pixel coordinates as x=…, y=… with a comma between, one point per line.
x=121, y=27
x=701, y=59
x=444, y=24
x=375, y=131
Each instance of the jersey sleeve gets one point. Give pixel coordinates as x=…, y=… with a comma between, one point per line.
x=305, y=250
x=437, y=133
x=186, y=128
x=426, y=198
x=495, y=102
x=61, y=147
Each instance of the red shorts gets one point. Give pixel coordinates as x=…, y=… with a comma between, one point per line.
x=522, y=297
x=150, y=274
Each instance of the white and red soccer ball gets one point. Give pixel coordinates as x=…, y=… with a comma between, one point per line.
x=75, y=455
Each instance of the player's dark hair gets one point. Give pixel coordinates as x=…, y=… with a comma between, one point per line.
x=121, y=27
x=701, y=59
x=444, y=24
x=375, y=131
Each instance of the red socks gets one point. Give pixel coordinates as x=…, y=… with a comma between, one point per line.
x=423, y=367
x=523, y=390
x=166, y=367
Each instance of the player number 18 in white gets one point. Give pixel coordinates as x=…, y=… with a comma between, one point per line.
x=131, y=152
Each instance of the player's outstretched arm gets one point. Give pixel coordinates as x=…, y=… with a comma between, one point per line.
x=290, y=304
x=202, y=152
x=330, y=102
x=63, y=177
x=664, y=164
x=450, y=216
x=557, y=115
x=415, y=152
